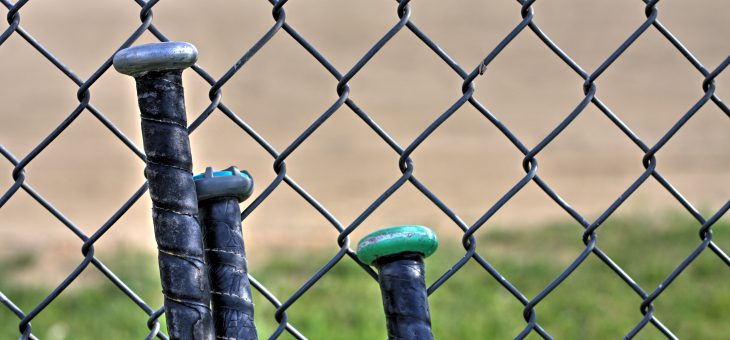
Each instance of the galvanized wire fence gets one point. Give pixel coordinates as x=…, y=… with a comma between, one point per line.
x=401, y=25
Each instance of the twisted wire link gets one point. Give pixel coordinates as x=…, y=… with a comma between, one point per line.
x=405, y=163
x=648, y=160
x=19, y=176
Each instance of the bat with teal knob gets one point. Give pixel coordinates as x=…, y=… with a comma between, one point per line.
x=219, y=196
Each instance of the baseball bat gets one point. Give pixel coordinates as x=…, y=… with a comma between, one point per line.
x=398, y=254
x=219, y=194
x=157, y=70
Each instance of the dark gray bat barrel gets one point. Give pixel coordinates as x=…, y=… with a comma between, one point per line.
x=219, y=195
x=157, y=69
x=398, y=254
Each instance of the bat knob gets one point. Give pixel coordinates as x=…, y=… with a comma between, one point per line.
x=397, y=240
x=172, y=55
x=226, y=183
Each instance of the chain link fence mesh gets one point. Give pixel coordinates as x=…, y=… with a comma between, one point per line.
x=401, y=25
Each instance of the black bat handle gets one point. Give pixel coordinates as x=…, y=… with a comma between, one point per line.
x=398, y=254
x=405, y=301
x=157, y=69
x=219, y=195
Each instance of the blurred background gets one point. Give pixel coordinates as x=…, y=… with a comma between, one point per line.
x=87, y=173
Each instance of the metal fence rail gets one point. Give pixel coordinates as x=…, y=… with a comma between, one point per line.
x=401, y=25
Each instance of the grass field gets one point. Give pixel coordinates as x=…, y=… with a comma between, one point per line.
x=592, y=304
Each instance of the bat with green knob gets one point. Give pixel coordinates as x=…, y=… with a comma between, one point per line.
x=219, y=194
x=398, y=254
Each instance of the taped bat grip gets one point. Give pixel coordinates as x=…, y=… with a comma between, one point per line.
x=174, y=205
x=403, y=287
x=233, y=310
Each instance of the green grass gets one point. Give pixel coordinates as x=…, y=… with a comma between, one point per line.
x=593, y=303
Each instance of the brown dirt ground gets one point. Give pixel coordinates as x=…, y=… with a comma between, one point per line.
x=87, y=173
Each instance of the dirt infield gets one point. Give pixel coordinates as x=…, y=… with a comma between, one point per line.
x=87, y=173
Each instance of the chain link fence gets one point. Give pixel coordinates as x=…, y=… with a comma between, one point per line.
x=402, y=25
